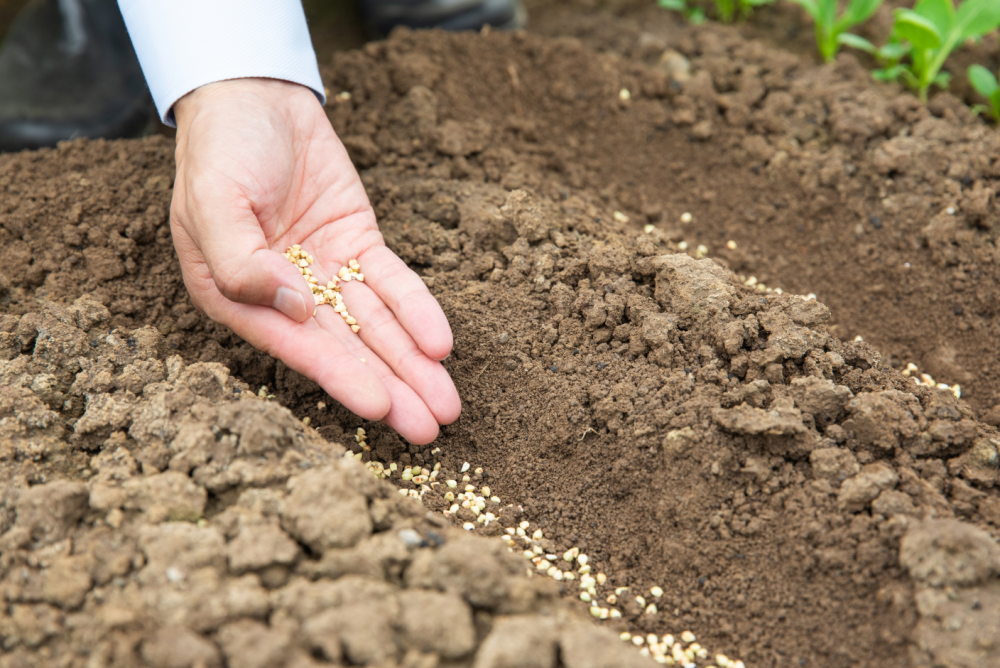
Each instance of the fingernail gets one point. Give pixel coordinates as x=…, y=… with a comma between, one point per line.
x=290, y=302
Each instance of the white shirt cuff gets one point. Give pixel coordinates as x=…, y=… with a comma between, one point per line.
x=184, y=44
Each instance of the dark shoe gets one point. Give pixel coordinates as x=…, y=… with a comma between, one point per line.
x=67, y=69
x=384, y=15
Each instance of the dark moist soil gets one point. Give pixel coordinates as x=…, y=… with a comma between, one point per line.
x=799, y=500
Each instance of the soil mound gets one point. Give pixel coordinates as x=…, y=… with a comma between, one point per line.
x=799, y=501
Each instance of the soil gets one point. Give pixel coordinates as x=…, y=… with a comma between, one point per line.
x=800, y=501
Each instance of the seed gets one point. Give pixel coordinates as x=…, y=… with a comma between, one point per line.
x=466, y=478
x=612, y=599
x=538, y=535
x=652, y=639
x=468, y=526
x=407, y=475
x=585, y=597
x=569, y=575
x=701, y=251
x=601, y=579
x=571, y=554
x=625, y=636
x=620, y=590
x=347, y=278
x=657, y=592
x=465, y=467
x=687, y=636
x=637, y=640
x=648, y=228
x=584, y=569
x=624, y=95
x=343, y=272
x=355, y=328
x=486, y=491
x=302, y=263
x=615, y=613
x=353, y=264
x=479, y=471
x=360, y=277
x=722, y=660
x=641, y=601
x=731, y=245
x=339, y=308
x=306, y=420
x=583, y=559
x=595, y=612
x=448, y=496
x=686, y=217
x=620, y=217
x=651, y=609
x=495, y=499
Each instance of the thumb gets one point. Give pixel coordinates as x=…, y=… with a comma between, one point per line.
x=265, y=277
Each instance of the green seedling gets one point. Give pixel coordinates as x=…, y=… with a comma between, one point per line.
x=831, y=29
x=727, y=10
x=933, y=29
x=692, y=13
x=987, y=85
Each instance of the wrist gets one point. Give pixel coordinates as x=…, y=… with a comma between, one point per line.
x=253, y=92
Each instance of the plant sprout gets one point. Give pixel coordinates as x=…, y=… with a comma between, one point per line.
x=727, y=10
x=932, y=30
x=831, y=29
x=985, y=82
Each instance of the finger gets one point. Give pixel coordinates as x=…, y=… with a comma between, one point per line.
x=312, y=351
x=408, y=414
x=243, y=267
x=404, y=292
x=383, y=334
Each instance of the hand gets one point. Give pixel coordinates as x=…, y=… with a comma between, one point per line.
x=259, y=168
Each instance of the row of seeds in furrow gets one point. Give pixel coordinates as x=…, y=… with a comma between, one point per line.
x=464, y=500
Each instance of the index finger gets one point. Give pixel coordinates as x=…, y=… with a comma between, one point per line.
x=405, y=294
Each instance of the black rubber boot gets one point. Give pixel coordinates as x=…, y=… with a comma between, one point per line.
x=384, y=15
x=67, y=69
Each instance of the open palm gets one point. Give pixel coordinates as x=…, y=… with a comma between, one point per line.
x=259, y=168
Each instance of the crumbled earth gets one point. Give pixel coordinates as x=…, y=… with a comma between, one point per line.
x=157, y=513
x=799, y=500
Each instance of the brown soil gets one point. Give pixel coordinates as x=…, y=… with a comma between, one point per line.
x=799, y=500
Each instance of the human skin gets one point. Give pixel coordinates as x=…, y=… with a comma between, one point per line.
x=260, y=168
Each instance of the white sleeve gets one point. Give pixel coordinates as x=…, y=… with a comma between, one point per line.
x=184, y=44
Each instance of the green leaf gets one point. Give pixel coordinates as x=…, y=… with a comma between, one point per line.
x=676, y=5
x=995, y=101
x=889, y=73
x=810, y=7
x=893, y=51
x=917, y=29
x=756, y=3
x=940, y=12
x=859, y=11
x=977, y=17
x=696, y=16
x=856, y=42
x=982, y=80
x=941, y=80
